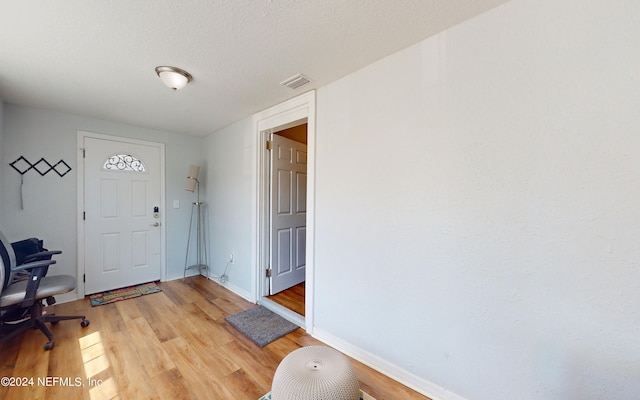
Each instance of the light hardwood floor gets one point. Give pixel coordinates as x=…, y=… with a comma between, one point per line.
x=169, y=345
x=292, y=298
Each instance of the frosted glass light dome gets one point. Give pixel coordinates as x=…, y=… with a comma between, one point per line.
x=315, y=373
x=174, y=77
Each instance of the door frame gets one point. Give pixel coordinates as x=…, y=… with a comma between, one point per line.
x=81, y=135
x=287, y=114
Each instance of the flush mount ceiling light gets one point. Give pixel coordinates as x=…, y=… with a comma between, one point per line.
x=175, y=78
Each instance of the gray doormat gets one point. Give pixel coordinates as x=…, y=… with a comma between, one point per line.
x=261, y=325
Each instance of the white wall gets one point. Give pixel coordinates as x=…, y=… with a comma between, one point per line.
x=478, y=205
x=230, y=155
x=50, y=201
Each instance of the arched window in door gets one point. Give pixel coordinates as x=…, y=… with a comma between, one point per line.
x=124, y=162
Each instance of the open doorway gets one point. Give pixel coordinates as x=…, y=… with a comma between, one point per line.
x=290, y=114
x=287, y=216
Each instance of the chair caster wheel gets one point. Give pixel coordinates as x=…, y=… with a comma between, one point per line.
x=55, y=322
x=85, y=323
x=49, y=345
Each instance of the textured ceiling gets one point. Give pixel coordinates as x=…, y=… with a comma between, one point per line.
x=97, y=58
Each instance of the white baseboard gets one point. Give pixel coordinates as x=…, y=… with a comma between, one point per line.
x=189, y=273
x=215, y=278
x=394, y=372
x=235, y=289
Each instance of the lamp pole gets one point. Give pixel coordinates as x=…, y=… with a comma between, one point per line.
x=201, y=247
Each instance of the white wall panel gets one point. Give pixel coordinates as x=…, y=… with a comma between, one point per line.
x=139, y=199
x=231, y=168
x=479, y=190
x=110, y=248
x=139, y=248
x=301, y=251
x=109, y=198
x=284, y=251
x=284, y=192
x=301, y=193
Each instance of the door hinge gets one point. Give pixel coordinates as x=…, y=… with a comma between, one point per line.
x=268, y=272
x=84, y=278
x=269, y=144
x=84, y=216
x=83, y=153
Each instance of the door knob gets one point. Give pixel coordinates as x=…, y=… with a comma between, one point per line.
x=156, y=224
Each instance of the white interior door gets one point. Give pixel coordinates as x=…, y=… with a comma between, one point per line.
x=122, y=228
x=288, y=213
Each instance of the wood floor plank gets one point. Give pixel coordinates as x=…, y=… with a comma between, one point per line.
x=181, y=293
x=126, y=367
x=204, y=343
x=213, y=331
x=260, y=374
x=129, y=310
x=292, y=298
x=106, y=319
x=213, y=311
x=160, y=315
x=202, y=386
x=230, y=307
x=174, y=344
x=67, y=337
x=154, y=359
x=34, y=366
x=171, y=385
x=9, y=351
x=241, y=386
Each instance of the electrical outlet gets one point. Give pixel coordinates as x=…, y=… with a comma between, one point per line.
x=231, y=258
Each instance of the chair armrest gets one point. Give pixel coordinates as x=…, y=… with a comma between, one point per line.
x=38, y=270
x=35, y=264
x=41, y=255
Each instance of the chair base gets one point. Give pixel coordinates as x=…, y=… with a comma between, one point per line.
x=10, y=327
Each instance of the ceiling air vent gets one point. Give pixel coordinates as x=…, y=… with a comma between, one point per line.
x=295, y=81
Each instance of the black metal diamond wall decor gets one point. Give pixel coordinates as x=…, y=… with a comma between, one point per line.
x=22, y=165
x=66, y=169
x=43, y=170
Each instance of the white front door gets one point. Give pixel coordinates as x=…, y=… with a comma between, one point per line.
x=288, y=213
x=122, y=224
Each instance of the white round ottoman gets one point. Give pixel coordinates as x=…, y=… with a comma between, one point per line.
x=315, y=373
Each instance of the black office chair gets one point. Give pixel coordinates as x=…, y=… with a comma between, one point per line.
x=22, y=300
